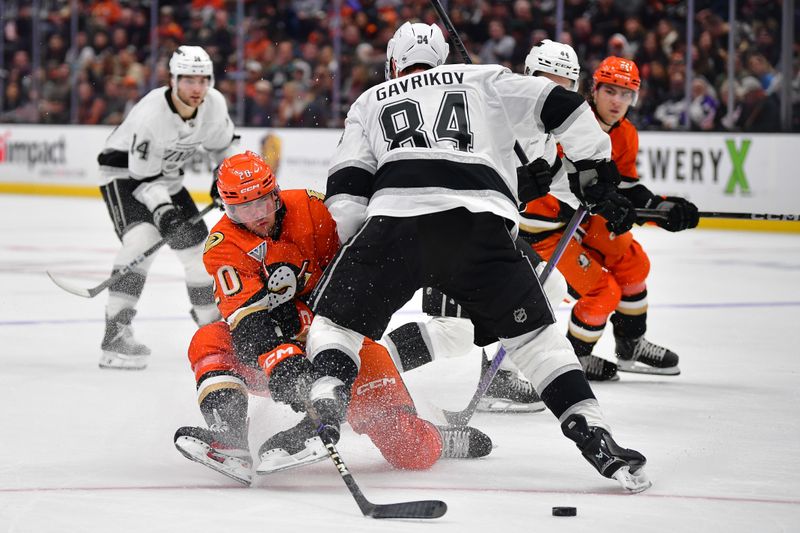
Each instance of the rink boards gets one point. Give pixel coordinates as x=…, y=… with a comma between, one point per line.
x=717, y=171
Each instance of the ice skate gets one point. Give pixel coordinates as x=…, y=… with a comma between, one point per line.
x=464, y=442
x=295, y=447
x=598, y=369
x=609, y=458
x=639, y=355
x=120, y=349
x=218, y=448
x=510, y=393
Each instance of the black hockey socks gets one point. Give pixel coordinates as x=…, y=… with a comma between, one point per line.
x=410, y=346
x=565, y=391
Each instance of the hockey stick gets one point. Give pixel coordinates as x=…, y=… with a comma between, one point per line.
x=425, y=509
x=462, y=418
x=94, y=291
x=658, y=214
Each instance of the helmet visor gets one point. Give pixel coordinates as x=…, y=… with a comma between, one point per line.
x=254, y=210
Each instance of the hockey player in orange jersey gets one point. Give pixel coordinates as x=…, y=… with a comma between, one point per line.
x=605, y=270
x=266, y=254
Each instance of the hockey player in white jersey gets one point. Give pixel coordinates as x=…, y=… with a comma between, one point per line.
x=424, y=191
x=142, y=185
x=417, y=343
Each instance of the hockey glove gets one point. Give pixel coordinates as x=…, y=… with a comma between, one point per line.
x=533, y=180
x=618, y=212
x=170, y=222
x=679, y=213
x=592, y=181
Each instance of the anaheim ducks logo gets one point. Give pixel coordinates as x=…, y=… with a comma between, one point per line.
x=284, y=282
x=213, y=240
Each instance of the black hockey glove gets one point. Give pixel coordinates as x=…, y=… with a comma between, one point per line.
x=170, y=222
x=214, y=192
x=593, y=181
x=533, y=180
x=679, y=213
x=618, y=212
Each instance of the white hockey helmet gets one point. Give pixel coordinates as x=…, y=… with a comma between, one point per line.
x=191, y=61
x=416, y=43
x=556, y=58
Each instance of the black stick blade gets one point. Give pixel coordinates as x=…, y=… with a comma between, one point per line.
x=425, y=509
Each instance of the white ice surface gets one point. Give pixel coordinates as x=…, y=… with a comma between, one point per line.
x=85, y=450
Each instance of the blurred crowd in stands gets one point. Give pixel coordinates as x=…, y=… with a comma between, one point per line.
x=290, y=58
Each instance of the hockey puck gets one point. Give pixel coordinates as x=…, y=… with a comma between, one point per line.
x=565, y=511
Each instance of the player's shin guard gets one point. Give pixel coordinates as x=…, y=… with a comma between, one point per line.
x=407, y=346
x=199, y=286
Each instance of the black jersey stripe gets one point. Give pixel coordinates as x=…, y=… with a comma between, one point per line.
x=440, y=173
x=350, y=180
x=559, y=106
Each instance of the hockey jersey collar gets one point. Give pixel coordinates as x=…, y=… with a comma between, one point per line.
x=171, y=104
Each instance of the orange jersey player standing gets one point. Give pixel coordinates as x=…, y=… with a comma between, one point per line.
x=607, y=271
x=266, y=255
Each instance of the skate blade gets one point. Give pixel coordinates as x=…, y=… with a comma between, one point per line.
x=499, y=405
x=631, y=482
x=200, y=452
x=278, y=459
x=115, y=361
x=635, y=367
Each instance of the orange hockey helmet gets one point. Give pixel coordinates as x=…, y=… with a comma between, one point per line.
x=247, y=179
x=620, y=72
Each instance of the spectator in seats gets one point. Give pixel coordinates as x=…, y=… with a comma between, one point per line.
x=119, y=39
x=667, y=35
x=168, y=27
x=256, y=43
x=770, y=80
x=20, y=110
x=499, y=47
x=56, y=49
x=114, y=101
x=607, y=18
x=91, y=107
x=221, y=34
x=703, y=106
x=723, y=121
x=709, y=61
x=107, y=12
x=101, y=43
x=260, y=109
x=760, y=111
x=618, y=46
x=131, y=93
x=670, y=113
x=55, y=96
x=635, y=33
x=292, y=105
x=278, y=71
